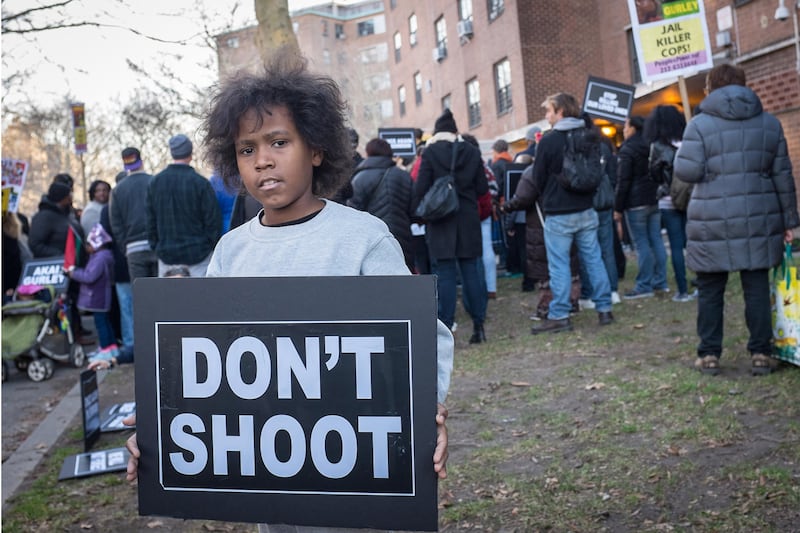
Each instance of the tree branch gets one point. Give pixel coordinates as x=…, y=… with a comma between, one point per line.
x=15, y=16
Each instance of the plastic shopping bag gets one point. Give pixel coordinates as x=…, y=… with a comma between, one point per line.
x=785, y=300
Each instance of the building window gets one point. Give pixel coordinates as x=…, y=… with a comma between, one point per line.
x=375, y=54
x=233, y=42
x=366, y=27
x=495, y=8
x=502, y=80
x=401, y=98
x=464, y=9
x=326, y=56
x=441, y=35
x=376, y=83
x=412, y=30
x=393, y=4
x=398, y=44
x=636, y=75
x=447, y=102
x=324, y=28
x=417, y=88
x=474, y=103
x=339, y=31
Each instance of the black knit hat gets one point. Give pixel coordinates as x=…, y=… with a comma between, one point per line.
x=445, y=122
x=58, y=191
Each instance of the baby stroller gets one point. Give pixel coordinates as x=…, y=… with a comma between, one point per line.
x=36, y=332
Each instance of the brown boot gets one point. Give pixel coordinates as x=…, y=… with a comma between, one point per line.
x=552, y=326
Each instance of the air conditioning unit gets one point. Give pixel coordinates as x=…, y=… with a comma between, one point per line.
x=464, y=28
x=342, y=35
x=439, y=53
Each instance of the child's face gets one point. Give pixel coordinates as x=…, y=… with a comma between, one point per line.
x=276, y=165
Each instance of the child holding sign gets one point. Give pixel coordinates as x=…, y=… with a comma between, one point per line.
x=283, y=132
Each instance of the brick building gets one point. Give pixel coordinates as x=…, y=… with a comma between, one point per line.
x=494, y=61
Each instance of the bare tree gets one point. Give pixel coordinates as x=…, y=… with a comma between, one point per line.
x=274, y=26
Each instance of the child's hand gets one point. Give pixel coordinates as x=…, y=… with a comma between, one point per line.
x=133, y=447
x=440, y=453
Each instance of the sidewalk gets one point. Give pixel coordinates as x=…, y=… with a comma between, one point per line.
x=114, y=386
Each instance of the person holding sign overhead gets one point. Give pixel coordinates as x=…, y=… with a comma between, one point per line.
x=283, y=132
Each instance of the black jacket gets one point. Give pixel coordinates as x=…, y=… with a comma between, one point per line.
x=49, y=228
x=458, y=236
x=634, y=186
x=383, y=189
x=555, y=199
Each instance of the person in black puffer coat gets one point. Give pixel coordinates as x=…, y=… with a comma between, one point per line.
x=383, y=189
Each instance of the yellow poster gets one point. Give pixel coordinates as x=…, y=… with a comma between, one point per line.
x=671, y=37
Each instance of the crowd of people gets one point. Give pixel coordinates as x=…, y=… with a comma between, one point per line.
x=721, y=187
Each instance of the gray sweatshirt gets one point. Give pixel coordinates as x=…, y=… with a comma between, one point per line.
x=339, y=241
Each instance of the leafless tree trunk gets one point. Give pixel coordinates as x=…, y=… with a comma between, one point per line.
x=274, y=26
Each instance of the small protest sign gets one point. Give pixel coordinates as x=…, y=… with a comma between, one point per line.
x=45, y=271
x=402, y=140
x=94, y=463
x=260, y=398
x=608, y=99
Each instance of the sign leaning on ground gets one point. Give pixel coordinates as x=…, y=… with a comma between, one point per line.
x=608, y=99
x=671, y=38
x=402, y=141
x=261, y=398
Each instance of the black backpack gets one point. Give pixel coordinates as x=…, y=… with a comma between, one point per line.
x=583, y=169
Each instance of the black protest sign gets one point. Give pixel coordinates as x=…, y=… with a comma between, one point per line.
x=512, y=177
x=608, y=99
x=402, y=140
x=260, y=398
x=90, y=402
x=94, y=463
x=46, y=271
x=114, y=414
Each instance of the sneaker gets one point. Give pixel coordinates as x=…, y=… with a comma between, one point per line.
x=585, y=304
x=635, y=295
x=615, y=299
x=552, y=326
x=605, y=318
x=682, y=297
x=101, y=355
x=454, y=327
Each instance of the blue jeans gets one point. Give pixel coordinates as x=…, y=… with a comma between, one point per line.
x=125, y=298
x=675, y=224
x=105, y=332
x=644, y=224
x=473, y=289
x=560, y=231
x=489, y=259
x=605, y=238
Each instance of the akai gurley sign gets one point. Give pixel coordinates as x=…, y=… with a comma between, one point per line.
x=303, y=401
x=671, y=38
